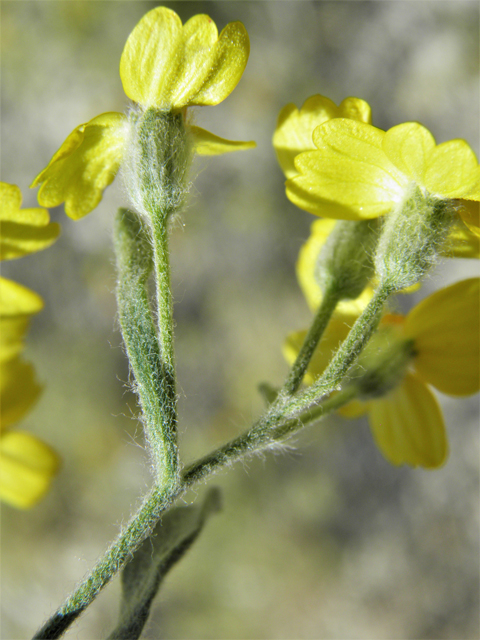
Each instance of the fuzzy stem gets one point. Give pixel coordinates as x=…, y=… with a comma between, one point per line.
x=257, y=439
x=139, y=527
x=346, y=355
x=153, y=376
x=313, y=337
x=164, y=301
x=158, y=500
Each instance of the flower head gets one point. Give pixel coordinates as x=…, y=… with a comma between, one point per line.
x=439, y=344
x=169, y=66
x=27, y=464
x=166, y=67
x=358, y=171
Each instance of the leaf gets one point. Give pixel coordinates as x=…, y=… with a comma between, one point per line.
x=143, y=575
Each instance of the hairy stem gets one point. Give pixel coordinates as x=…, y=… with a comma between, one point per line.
x=313, y=337
x=158, y=500
x=153, y=377
x=346, y=355
x=139, y=527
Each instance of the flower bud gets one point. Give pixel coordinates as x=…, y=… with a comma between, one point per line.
x=158, y=156
x=346, y=259
x=413, y=235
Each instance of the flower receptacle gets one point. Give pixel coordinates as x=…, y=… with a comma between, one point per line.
x=159, y=153
x=413, y=236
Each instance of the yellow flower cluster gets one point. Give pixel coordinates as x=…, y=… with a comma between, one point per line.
x=443, y=335
x=166, y=66
x=27, y=465
x=339, y=166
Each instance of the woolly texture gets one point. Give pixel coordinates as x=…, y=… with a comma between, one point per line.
x=413, y=236
x=157, y=158
x=153, y=379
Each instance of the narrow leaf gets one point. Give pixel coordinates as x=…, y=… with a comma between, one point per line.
x=142, y=576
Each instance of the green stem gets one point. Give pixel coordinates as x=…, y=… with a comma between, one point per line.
x=158, y=500
x=139, y=527
x=324, y=313
x=286, y=416
x=346, y=355
x=153, y=377
x=257, y=438
x=164, y=298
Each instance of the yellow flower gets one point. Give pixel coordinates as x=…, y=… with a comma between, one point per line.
x=23, y=231
x=165, y=66
x=442, y=333
x=27, y=468
x=359, y=172
x=348, y=169
x=294, y=130
x=27, y=465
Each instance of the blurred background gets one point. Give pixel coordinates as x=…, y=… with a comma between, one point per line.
x=326, y=540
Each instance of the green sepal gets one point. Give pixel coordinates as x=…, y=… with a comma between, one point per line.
x=345, y=262
x=143, y=575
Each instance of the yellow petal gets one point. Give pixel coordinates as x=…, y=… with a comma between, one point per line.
x=15, y=299
x=12, y=334
x=19, y=240
x=294, y=130
x=27, y=466
x=17, y=304
x=167, y=66
x=470, y=214
x=19, y=391
x=409, y=146
x=354, y=409
x=307, y=260
x=461, y=242
x=208, y=144
x=445, y=328
x=453, y=171
x=84, y=166
x=306, y=264
x=349, y=177
x=23, y=231
x=11, y=200
x=408, y=425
